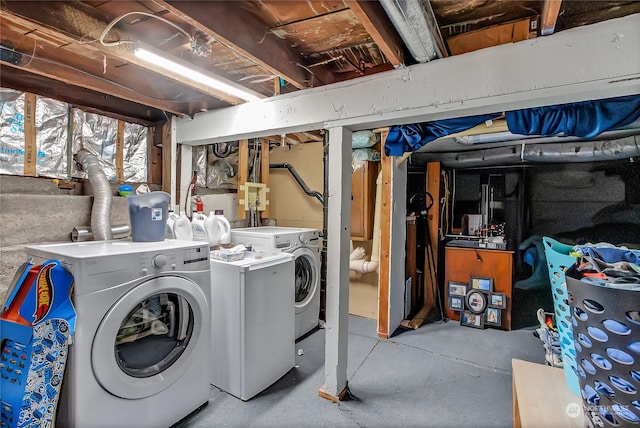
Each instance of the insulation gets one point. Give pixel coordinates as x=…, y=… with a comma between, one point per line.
x=51, y=137
x=97, y=134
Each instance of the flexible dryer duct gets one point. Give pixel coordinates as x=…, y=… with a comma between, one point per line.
x=101, y=209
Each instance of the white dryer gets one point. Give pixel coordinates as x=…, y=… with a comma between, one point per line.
x=140, y=355
x=303, y=243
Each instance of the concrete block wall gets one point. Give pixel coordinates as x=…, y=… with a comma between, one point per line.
x=27, y=219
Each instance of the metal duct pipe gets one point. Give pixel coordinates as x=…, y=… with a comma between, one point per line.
x=83, y=233
x=299, y=179
x=101, y=209
x=529, y=153
x=416, y=24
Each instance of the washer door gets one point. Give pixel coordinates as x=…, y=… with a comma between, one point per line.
x=146, y=340
x=307, y=275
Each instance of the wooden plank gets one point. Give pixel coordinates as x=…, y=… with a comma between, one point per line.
x=264, y=168
x=542, y=399
x=120, y=153
x=385, y=242
x=549, y=17
x=374, y=19
x=492, y=36
x=243, y=174
x=163, y=133
x=30, y=147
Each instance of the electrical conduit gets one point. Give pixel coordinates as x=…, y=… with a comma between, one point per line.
x=101, y=209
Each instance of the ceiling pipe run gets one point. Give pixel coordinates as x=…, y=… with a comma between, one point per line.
x=415, y=22
x=532, y=153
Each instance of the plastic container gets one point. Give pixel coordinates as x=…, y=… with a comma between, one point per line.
x=212, y=228
x=197, y=226
x=148, y=216
x=168, y=230
x=606, y=327
x=558, y=261
x=182, y=228
x=224, y=226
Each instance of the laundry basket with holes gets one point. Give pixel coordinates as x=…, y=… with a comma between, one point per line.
x=606, y=328
x=558, y=261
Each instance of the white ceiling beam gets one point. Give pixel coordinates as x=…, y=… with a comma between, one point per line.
x=591, y=62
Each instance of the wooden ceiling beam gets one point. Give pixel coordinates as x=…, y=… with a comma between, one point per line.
x=549, y=17
x=84, y=98
x=374, y=19
x=247, y=36
x=71, y=23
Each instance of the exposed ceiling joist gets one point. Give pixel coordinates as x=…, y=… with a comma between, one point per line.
x=243, y=33
x=377, y=24
x=549, y=17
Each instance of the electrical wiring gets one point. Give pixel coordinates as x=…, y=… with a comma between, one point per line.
x=122, y=42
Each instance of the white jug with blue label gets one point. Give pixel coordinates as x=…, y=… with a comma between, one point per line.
x=182, y=227
x=213, y=229
x=197, y=225
x=224, y=226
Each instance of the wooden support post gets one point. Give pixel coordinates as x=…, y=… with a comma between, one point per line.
x=338, y=230
x=120, y=153
x=30, y=147
x=264, y=169
x=384, y=269
x=243, y=174
x=162, y=138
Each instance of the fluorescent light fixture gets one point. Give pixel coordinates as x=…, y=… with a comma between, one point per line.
x=186, y=70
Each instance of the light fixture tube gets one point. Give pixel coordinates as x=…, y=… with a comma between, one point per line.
x=189, y=71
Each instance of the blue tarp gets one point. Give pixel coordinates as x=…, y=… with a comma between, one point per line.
x=409, y=138
x=587, y=119
x=584, y=119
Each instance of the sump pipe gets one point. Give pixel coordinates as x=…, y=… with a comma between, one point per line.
x=101, y=209
x=299, y=179
x=84, y=233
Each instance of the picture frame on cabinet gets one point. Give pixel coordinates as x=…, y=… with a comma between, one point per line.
x=497, y=300
x=457, y=288
x=469, y=319
x=481, y=283
x=476, y=301
x=493, y=316
x=456, y=303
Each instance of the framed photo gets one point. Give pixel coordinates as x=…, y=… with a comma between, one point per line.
x=493, y=316
x=457, y=288
x=456, y=303
x=470, y=319
x=476, y=301
x=481, y=283
x=498, y=300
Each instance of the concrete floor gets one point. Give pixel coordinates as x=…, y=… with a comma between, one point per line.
x=440, y=375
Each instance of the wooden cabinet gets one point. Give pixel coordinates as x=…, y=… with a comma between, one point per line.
x=363, y=195
x=462, y=263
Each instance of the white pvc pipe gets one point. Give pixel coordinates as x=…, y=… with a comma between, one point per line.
x=356, y=263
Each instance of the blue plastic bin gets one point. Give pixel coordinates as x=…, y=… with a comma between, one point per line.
x=558, y=261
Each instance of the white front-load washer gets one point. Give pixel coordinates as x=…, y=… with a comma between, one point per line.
x=303, y=243
x=140, y=356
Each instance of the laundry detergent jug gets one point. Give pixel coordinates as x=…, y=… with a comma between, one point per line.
x=212, y=228
x=197, y=226
x=168, y=230
x=225, y=227
x=182, y=228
